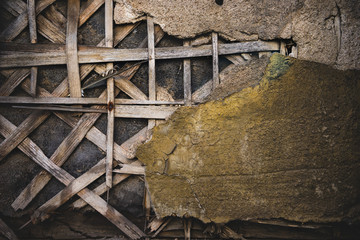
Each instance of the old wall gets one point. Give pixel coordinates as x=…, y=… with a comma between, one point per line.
x=325, y=31
x=286, y=148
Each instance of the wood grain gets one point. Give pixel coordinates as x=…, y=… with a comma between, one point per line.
x=39, y=57
x=215, y=59
x=73, y=11
x=109, y=41
x=187, y=78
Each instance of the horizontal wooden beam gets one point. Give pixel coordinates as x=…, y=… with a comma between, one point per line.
x=149, y=112
x=121, y=111
x=14, y=55
x=85, y=101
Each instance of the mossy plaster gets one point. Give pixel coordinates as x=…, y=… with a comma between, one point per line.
x=286, y=148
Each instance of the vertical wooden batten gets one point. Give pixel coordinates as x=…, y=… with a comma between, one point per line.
x=73, y=12
x=151, y=49
x=109, y=42
x=215, y=53
x=187, y=78
x=33, y=39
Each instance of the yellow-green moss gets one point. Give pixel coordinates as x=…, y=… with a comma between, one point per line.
x=287, y=148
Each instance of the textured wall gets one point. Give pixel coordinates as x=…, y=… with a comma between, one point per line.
x=325, y=31
x=287, y=148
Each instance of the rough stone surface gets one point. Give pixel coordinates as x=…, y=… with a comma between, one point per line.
x=325, y=31
x=286, y=148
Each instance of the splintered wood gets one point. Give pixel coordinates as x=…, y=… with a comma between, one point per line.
x=109, y=41
x=62, y=32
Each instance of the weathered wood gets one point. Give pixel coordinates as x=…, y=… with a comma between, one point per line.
x=150, y=112
x=130, y=89
x=109, y=41
x=70, y=190
x=130, y=143
x=73, y=11
x=151, y=71
x=155, y=223
x=49, y=30
x=151, y=52
x=89, y=10
x=39, y=57
x=187, y=78
x=33, y=39
x=68, y=100
x=187, y=228
x=129, y=169
x=56, y=17
x=41, y=180
x=32, y=150
x=75, y=187
x=13, y=81
x=168, y=220
x=6, y=231
x=282, y=48
x=200, y=95
x=147, y=204
x=215, y=59
x=24, y=129
x=20, y=23
x=33, y=79
x=15, y=7
x=64, y=108
x=121, y=111
x=236, y=59
x=32, y=20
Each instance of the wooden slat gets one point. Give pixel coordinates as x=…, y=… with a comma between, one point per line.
x=101, y=189
x=109, y=41
x=23, y=130
x=151, y=52
x=33, y=39
x=86, y=54
x=129, y=169
x=49, y=30
x=6, y=231
x=187, y=78
x=151, y=72
x=20, y=23
x=215, y=59
x=13, y=81
x=200, y=95
x=33, y=79
x=89, y=10
x=73, y=11
x=64, y=109
x=66, y=101
x=41, y=180
x=149, y=112
x=76, y=186
x=32, y=150
x=187, y=228
x=130, y=89
x=32, y=20
x=168, y=220
x=15, y=7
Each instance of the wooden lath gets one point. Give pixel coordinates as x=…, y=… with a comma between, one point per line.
x=65, y=50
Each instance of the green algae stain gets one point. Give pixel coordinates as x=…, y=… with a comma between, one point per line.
x=270, y=151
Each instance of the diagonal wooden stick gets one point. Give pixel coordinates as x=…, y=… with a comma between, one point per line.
x=41, y=180
x=34, y=152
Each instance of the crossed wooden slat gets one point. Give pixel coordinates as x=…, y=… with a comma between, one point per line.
x=105, y=209
x=50, y=25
